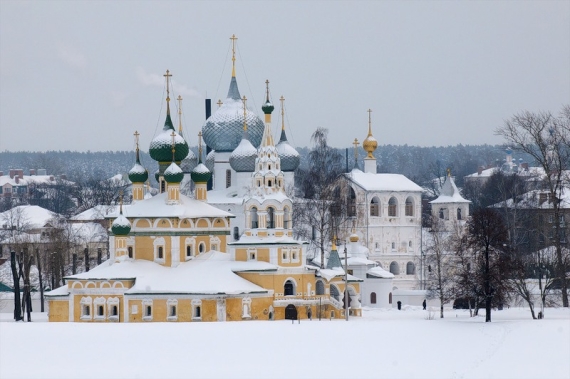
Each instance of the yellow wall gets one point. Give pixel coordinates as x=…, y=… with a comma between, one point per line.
x=58, y=310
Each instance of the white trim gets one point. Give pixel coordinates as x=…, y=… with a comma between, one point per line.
x=246, y=308
x=99, y=302
x=170, y=304
x=147, y=303
x=196, y=303
x=113, y=302
x=159, y=242
x=86, y=303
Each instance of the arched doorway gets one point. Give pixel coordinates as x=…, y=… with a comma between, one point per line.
x=290, y=312
x=289, y=288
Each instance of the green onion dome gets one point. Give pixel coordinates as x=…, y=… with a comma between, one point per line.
x=121, y=226
x=173, y=174
x=267, y=108
x=138, y=174
x=161, y=146
x=201, y=174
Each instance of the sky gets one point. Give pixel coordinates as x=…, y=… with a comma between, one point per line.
x=85, y=75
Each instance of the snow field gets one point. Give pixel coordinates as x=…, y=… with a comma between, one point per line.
x=382, y=344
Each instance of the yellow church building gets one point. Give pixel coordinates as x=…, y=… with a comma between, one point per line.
x=172, y=258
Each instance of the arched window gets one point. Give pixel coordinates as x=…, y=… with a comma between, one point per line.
x=394, y=268
x=375, y=207
x=373, y=298
x=409, y=206
x=351, y=209
x=202, y=247
x=410, y=268
x=160, y=253
x=236, y=233
x=228, y=178
x=289, y=288
x=270, y=218
x=188, y=250
x=392, y=207
x=335, y=293
x=390, y=298
x=459, y=213
x=320, y=287
x=254, y=221
x=286, y=218
x=130, y=250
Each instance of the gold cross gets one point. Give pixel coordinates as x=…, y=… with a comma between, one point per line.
x=267, y=88
x=219, y=103
x=173, y=135
x=369, y=122
x=233, y=38
x=282, y=99
x=167, y=75
x=136, y=134
x=179, y=114
x=356, y=143
x=200, y=146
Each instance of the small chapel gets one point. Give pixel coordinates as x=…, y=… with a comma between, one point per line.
x=221, y=254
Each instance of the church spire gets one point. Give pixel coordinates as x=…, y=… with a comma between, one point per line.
x=167, y=76
x=370, y=144
x=179, y=114
x=355, y=144
x=234, y=39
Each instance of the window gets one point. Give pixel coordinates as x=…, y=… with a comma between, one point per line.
x=188, y=251
x=373, y=298
x=99, y=308
x=392, y=207
x=441, y=215
x=251, y=254
x=254, y=220
x=394, y=268
x=269, y=181
x=196, y=309
x=294, y=256
x=410, y=268
x=130, y=250
x=459, y=216
x=159, y=244
x=351, y=203
x=162, y=186
x=160, y=253
x=393, y=245
x=236, y=233
x=289, y=288
x=410, y=244
x=147, y=310
x=375, y=207
x=270, y=218
x=320, y=287
x=228, y=178
x=409, y=207
x=390, y=298
x=286, y=218
x=113, y=306
x=172, y=306
x=202, y=247
x=100, y=311
x=335, y=293
x=86, y=303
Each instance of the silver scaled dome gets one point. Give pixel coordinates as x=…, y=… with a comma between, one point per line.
x=223, y=130
x=290, y=158
x=211, y=160
x=188, y=163
x=243, y=157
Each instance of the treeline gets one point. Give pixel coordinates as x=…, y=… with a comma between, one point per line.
x=420, y=164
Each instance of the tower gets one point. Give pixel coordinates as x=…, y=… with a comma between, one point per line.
x=138, y=174
x=369, y=145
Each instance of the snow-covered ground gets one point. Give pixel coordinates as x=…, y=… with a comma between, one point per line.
x=382, y=344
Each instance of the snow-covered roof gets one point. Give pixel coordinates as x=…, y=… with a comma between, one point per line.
x=98, y=212
x=27, y=180
x=209, y=273
x=383, y=182
x=224, y=196
x=32, y=216
x=449, y=193
x=379, y=272
x=536, y=199
x=156, y=207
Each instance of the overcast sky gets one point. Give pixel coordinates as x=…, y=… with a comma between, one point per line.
x=84, y=75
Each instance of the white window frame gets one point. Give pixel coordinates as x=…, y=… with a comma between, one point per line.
x=285, y=256
x=295, y=255
x=86, y=303
x=246, y=306
x=113, y=302
x=99, y=302
x=192, y=243
x=170, y=305
x=159, y=242
x=196, y=303
x=147, y=303
x=134, y=309
x=215, y=243
x=251, y=254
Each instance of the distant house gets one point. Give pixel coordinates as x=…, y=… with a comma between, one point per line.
x=20, y=186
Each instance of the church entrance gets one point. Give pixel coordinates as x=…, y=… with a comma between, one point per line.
x=290, y=312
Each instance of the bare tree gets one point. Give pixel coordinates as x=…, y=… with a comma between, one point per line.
x=321, y=209
x=488, y=238
x=441, y=262
x=545, y=137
